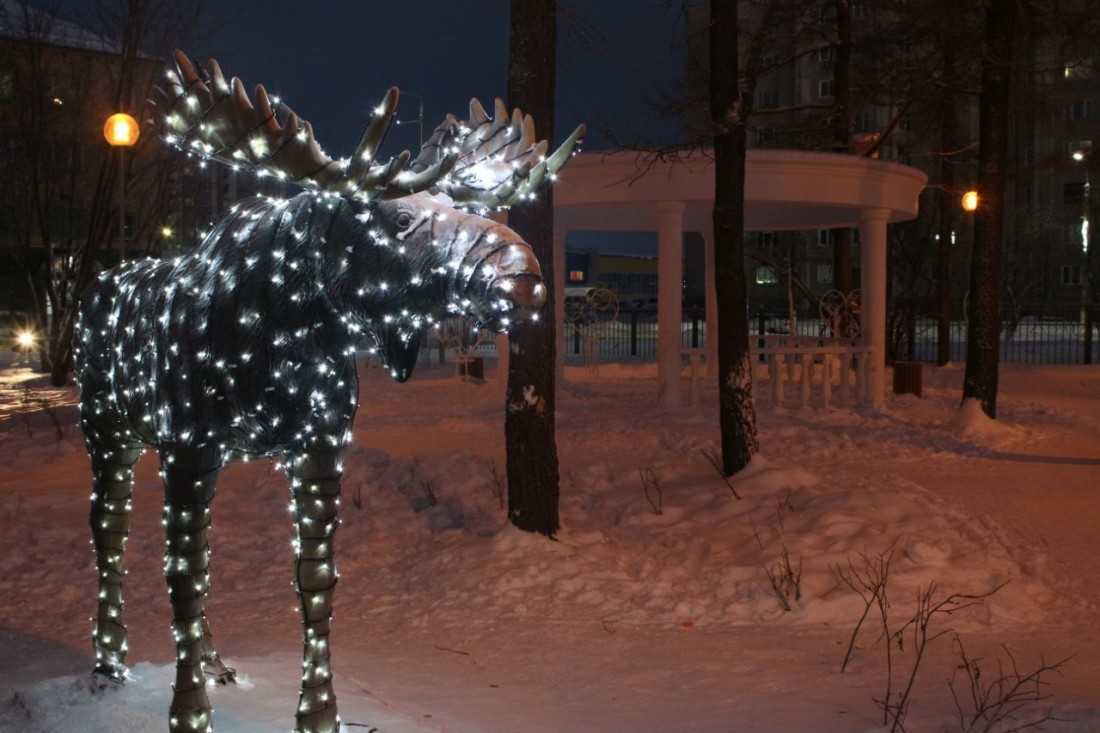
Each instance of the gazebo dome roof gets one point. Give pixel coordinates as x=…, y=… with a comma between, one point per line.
x=784, y=190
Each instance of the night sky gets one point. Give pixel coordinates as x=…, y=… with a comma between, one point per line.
x=332, y=61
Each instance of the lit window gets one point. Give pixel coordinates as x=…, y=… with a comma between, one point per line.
x=576, y=276
x=766, y=276
x=1078, y=147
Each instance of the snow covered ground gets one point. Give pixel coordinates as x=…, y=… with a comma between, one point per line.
x=449, y=620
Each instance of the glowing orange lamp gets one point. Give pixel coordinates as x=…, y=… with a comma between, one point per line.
x=121, y=130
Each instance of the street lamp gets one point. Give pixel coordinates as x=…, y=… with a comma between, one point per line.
x=970, y=201
x=1083, y=156
x=121, y=131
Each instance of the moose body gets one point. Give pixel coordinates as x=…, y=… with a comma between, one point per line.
x=246, y=347
x=253, y=335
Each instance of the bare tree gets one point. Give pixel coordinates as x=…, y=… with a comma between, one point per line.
x=530, y=443
x=729, y=114
x=61, y=203
x=983, y=335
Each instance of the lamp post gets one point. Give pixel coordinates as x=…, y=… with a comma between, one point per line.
x=1082, y=156
x=121, y=131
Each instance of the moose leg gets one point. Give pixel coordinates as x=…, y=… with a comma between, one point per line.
x=112, y=489
x=315, y=486
x=188, y=494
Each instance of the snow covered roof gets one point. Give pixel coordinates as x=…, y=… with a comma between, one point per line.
x=21, y=22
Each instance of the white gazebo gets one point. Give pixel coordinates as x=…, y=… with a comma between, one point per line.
x=785, y=190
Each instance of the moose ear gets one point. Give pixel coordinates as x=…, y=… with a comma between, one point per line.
x=399, y=350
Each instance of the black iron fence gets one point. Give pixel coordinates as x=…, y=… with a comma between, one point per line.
x=632, y=336
x=1024, y=339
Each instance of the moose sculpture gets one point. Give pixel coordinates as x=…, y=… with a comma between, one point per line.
x=246, y=346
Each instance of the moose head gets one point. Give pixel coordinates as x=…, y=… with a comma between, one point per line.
x=246, y=346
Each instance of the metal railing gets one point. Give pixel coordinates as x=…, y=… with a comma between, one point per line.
x=1029, y=339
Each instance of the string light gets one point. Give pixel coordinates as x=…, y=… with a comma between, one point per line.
x=246, y=346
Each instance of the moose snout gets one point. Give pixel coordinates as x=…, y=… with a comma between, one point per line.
x=525, y=293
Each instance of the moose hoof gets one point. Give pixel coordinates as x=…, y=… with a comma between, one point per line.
x=218, y=672
x=110, y=672
x=190, y=720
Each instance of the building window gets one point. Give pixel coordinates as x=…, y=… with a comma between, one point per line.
x=824, y=274
x=861, y=122
x=765, y=240
x=1081, y=109
x=1078, y=69
x=1073, y=193
x=827, y=53
x=825, y=238
x=1082, y=147
x=768, y=62
x=576, y=276
x=765, y=135
x=766, y=275
x=767, y=99
x=62, y=91
x=1071, y=274
x=826, y=88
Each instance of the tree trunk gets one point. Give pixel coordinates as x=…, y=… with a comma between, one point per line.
x=842, y=72
x=736, y=412
x=532, y=454
x=948, y=200
x=983, y=335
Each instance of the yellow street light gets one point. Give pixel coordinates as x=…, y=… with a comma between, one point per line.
x=970, y=200
x=121, y=131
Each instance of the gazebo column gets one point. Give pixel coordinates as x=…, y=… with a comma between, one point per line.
x=670, y=252
x=872, y=242
x=709, y=365
x=561, y=276
x=711, y=292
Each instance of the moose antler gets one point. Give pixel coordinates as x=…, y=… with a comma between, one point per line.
x=485, y=162
x=206, y=115
x=500, y=161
